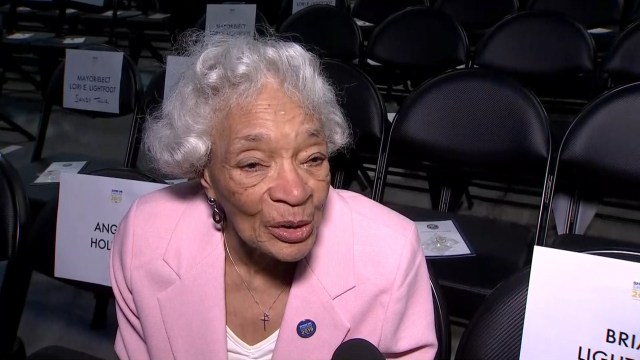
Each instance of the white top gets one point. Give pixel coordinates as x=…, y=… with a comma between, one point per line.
x=239, y=350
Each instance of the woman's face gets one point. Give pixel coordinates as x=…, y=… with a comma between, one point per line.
x=269, y=171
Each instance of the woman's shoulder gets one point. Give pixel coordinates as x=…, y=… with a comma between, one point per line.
x=365, y=209
x=170, y=197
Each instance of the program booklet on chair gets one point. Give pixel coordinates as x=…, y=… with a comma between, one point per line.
x=52, y=173
x=582, y=307
x=442, y=239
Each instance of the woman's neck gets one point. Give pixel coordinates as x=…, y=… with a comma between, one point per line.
x=256, y=266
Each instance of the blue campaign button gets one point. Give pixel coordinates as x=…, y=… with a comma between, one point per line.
x=306, y=328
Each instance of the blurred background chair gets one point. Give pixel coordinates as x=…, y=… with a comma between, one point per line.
x=477, y=17
x=500, y=140
x=601, y=17
x=14, y=219
x=36, y=252
x=363, y=107
x=326, y=31
x=130, y=100
x=412, y=46
x=550, y=54
x=370, y=13
x=621, y=65
x=598, y=162
x=495, y=332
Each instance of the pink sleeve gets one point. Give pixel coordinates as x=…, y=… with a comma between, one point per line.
x=409, y=329
x=129, y=342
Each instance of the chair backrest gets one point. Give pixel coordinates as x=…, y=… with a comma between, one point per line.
x=376, y=11
x=14, y=209
x=443, y=326
x=14, y=218
x=495, y=331
x=130, y=101
x=360, y=102
x=419, y=38
x=475, y=123
x=324, y=30
x=154, y=92
x=364, y=108
x=622, y=63
x=550, y=53
x=472, y=14
x=590, y=13
x=599, y=157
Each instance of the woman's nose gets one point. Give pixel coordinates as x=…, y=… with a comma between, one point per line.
x=290, y=186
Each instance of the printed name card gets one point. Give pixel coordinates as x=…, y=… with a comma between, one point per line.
x=581, y=307
x=231, y=19
x=301, y=4
x=89, y=212
x=176, y=65
x=92, y=80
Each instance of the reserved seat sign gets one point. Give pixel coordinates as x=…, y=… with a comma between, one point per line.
x=582, y=307
x=231, y=19
x=92, y=80
x=90, y=209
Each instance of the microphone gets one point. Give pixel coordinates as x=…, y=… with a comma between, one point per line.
x=357, y=349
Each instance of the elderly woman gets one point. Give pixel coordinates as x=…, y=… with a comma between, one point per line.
x=259, y=257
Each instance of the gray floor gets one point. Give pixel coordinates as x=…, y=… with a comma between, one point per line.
x=59, y=314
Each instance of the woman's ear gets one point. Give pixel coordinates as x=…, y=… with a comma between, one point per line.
x=205, y=180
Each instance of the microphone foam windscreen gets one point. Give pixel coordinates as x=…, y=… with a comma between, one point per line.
x=357, y=349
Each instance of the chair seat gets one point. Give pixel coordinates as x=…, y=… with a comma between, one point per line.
x=60, y=353
x=501, y=249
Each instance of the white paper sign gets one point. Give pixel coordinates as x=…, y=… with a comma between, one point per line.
x=20, y=36
x=581, y=307
x=231, y=19
x=176, y=65
x=52, y=173
x=89, y=211
x=92, y=80
x=441, y=238
x=301, y=4
x=73, y=40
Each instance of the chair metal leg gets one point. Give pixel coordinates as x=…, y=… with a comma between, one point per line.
x=13, y=126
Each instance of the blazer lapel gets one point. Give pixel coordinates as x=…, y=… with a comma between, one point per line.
x=324, y=275
x=193, y=309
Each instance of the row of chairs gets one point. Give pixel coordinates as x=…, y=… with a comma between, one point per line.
x=550, y=53
x=483, y=90
x=473, y=128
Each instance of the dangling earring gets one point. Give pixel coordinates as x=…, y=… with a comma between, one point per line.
x=216, y=212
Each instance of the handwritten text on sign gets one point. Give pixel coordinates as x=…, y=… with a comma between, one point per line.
x=89, y=211
x=92, y=80
x=301, y=4
x=581, y=307
x=231, y=19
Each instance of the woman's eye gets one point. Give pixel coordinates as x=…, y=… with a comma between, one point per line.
x=251, y=166
x=316, y=160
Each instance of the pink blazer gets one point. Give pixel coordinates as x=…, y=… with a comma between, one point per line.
x=366, y=277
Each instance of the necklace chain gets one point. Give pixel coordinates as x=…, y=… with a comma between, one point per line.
x=265, y=314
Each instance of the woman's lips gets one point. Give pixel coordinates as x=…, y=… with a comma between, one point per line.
x=292, y=232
